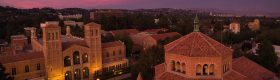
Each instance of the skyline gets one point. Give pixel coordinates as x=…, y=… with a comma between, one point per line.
x=270, y=6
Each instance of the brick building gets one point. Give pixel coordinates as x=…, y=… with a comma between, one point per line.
x=146, y=39
x=63, y=57
x=234, y=27
x=198, y=57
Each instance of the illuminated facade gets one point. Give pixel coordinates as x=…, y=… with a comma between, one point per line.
x=63, y=57
x=234, y=27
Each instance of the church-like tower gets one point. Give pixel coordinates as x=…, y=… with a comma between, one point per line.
x=52, y=50
x=196, y=24
x=93, y=40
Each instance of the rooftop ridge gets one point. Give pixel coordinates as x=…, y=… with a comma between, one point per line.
x=217, y=42
x=203, y=37
x=179, y=41
x=192, y=45
x=197, y=44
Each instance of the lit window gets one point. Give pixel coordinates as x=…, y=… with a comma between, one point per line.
x=86, y=72
x=76, y=56
x=67, y=61
x=77, y=74
x=68, y=75
x=85, y=58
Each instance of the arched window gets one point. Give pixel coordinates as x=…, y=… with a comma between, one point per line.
x=120, y=52
x=183, y=68
x=67, y=61
x=173, y=65
x=56, y=35
x=68, y=75
x=91, y=32
x=178, y=69
x=96, y=32
x=228, y=66
x=114, y=53
x=52, y=37
x=198, y=69
x=86, y=72
x=224, y=68
x=49, y=36
x=211, y=69
x=77, y=74
x=85, y=58
x=76, y=57
x=205, y=69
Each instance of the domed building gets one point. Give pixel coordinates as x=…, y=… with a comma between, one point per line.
x=198, y=57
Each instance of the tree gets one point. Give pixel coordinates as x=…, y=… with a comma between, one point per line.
x=267, y=55
x=127, y=41
x=237, y=53
x=147, y=60
x=3, y=75
x=77, y=31
x=169, y=39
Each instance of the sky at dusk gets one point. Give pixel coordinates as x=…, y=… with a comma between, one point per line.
x=242, y=5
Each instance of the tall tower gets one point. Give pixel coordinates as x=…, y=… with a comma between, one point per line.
x=52, y=51
x=196, y=24
x=93, y=39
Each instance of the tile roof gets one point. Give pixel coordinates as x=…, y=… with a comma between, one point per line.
x=139, y=38
x=112, y=44
x=155, y=30
x=93, y=24
x=124, y=31
x=21, y=57
x=163, y=36
x=18, y=37
x=233, y=75
x=171, y=76
x=49, y=26
x=160, y=69
x=67, y=42
x=197, y=44
x=251, y=69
